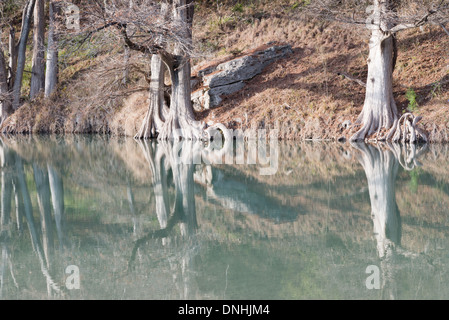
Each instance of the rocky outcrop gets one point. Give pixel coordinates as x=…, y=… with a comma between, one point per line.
x=229, y=77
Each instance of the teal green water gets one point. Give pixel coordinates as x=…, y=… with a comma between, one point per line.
x=104, y=218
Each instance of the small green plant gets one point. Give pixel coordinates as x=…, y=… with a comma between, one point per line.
x=295, y=5
x=238, y=8
x=411, y=97
x=298, y=4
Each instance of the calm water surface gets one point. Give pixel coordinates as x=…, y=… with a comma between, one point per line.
x=98, y=218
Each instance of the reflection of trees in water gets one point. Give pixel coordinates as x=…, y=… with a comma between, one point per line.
x=49, y=191
x=381, y=163
x=96, y=167
x=163, y=160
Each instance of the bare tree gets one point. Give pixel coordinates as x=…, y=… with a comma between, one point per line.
x=38, y=69
x=11, y=74
x=5, y=98
x=51, y=73
x=21, y=52
x=7, y=65
x=162, y=28
x=379, y=118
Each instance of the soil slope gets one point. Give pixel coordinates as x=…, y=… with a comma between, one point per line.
x=303, y=95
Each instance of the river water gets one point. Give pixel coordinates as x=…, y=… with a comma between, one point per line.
x=106, y=218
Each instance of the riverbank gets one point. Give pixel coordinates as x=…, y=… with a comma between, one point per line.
x=303, y=95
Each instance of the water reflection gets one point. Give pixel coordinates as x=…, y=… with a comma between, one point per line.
x=48, y=185
x=381, y=163
x=141, y=224
x=161, y=162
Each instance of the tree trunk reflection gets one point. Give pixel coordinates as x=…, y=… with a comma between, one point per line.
x=381, y=163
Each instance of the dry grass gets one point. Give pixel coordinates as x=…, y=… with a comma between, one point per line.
x=310, y=101
x=302, y=94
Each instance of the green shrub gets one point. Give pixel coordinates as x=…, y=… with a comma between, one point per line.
x=411, y=97
x=238, y=8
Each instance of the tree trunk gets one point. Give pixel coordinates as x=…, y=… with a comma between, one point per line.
x=181, y=121
x=5, y=101
x=379, y=114
x=38, y=69
x=154, y=119
x=51, y=74
x=21, y=52
x=379, y=109
x=12, y=57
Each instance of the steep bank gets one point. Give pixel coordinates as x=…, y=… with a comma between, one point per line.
x=303, y=91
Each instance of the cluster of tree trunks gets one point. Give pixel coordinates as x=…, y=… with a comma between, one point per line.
x=176, y=120
x=44, y=71
x=170, y=44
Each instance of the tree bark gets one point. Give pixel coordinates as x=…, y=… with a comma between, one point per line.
x=21, y=52
x=12, y=57
x=379, y=109
x=38, y=69
x=154, y=119
x=5, y=101
x=181, y=123
x=379, y=114
x=51, y=74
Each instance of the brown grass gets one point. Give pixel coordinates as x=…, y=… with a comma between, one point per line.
x=302, y=94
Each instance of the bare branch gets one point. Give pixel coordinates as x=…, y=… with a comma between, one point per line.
x=444, y=28
x=417, y=24
x=358, y=81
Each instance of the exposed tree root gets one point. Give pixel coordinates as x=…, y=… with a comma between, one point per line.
x=403, y=130
x=406, y=130
x=148, y=127
x=181, y=128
